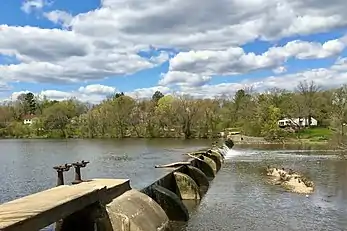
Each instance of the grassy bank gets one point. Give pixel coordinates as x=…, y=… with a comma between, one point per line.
x=309, y=136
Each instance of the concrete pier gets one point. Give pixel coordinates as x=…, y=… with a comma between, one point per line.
x=111, y=204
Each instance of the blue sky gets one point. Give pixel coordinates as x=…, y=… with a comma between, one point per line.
x=63, y=48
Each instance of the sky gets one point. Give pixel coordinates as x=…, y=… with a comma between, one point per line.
x=91, y=49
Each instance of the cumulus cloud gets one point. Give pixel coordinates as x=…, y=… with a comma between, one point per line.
x=184, y=78
x=93, y=93
x=194, y=67
x=335, y=76
x=327, y=78
x=141, y=93
x=58, y=56
x=59, y=17
x=172, y=23
x=97, y=89
x=105, y=42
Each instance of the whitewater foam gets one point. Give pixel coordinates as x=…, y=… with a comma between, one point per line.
x=232, y=153
x=271, y=154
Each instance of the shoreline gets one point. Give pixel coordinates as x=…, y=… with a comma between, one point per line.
x=248, y=141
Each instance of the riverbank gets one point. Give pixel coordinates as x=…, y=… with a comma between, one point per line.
x=238, y=139
x=245, y=142
x=241, y=139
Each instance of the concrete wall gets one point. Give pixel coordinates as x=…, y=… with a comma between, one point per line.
x=136, y=211
x=154, y=206
x=187, y=182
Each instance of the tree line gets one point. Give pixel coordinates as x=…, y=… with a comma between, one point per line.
x=119, y=116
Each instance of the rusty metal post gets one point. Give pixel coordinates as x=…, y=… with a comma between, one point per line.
x=78, y=166
x=60, y=170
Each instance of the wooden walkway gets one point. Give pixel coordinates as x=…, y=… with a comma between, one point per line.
x=39, y=210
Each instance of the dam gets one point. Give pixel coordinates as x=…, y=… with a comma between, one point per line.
x=112, y=204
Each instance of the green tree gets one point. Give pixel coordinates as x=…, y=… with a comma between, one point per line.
x=339, y=113
x=157, y=96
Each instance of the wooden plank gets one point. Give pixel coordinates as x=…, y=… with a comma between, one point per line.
x=41, y=209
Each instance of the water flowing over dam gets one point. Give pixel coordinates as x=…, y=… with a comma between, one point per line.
x=112, y=204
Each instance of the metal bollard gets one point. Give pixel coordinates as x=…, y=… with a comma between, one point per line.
x=78, y=166
x=60, y=170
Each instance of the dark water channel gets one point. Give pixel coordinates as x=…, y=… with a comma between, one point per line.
x=238, y=199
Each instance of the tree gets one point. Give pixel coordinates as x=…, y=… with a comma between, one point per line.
x=26, y=104
x=57, y=118
x=165, y=113
x=122, y=108
x=252, y=113
x=118, y=94
x=208, y=117
x=308, y=92
x=157, y=96
x=30, y=103
x=339, y=113
x=186, y=110
x=59, y=115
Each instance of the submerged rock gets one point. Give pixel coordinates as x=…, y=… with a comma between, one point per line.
x=292, y=181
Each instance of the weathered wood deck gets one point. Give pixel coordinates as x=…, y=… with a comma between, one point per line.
x=41, y=209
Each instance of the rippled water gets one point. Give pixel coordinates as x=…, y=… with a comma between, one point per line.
x=238, y=199
x=27, y=165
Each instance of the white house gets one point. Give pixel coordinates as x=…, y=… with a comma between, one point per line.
x=302, y=122
x=28, y=119
x=285, y=122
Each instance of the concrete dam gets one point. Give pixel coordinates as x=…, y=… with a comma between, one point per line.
x=111, y=204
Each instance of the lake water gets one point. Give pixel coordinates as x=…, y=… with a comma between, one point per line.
x=238, y=199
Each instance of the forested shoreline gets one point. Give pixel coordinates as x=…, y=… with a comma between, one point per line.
x=119, y=116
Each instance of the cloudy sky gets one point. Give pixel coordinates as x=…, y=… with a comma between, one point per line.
x=91, y=48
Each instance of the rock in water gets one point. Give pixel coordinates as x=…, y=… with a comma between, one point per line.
x=291, y=180
x=229, y=143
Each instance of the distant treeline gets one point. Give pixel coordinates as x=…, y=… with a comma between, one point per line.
x=119, y=116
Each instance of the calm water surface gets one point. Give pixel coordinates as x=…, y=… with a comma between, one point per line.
x=239, y=198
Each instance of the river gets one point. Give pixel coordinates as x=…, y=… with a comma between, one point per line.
x=238, y=199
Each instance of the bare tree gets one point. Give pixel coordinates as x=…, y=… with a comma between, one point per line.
x=308, y=91
x=339, y=113
x=187, y=111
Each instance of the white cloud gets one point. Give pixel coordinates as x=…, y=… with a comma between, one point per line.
x=90, y=93
x=141, y=93
x=203, y=24
x=15, y=95
x=59, y=17
x=279, y=70
x=53, y=55
x=97, y=89
x=104, y=42
x=57, y=95
x=325, y=77
x=29, y=5
x=184, y=78
x=187, y=67
x=33, y=44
